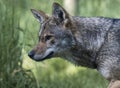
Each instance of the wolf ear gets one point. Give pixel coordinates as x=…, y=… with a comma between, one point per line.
x=59, y=12
x=39, y=15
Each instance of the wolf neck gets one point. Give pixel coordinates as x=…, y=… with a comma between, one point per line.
x=90, y=36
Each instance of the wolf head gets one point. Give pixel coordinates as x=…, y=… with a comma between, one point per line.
x=55, y=35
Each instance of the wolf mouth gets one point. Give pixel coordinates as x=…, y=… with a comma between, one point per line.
x=48, y=56
x=44, y=57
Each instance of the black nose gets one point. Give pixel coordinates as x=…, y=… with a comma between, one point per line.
x=31, y=54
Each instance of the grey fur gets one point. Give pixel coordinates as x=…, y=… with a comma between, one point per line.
x=100, y=37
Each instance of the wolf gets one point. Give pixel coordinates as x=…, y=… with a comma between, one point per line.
x=92, y=42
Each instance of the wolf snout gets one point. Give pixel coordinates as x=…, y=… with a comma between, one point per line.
x=31, y=54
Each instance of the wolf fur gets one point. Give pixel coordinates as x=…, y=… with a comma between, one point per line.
x=92, y=42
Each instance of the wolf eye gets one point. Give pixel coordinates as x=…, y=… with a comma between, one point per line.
x=48, y=37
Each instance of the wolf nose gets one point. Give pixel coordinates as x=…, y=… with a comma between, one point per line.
x=31, y=54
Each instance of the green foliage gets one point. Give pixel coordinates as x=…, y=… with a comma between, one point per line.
x=83, y=78
x=11, y=72
x=18, y=33
x=105, y=8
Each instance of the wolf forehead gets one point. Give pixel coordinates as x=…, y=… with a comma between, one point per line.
x=52, y=26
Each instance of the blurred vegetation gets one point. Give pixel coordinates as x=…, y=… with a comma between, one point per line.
x=18, y=34
x=12, y=75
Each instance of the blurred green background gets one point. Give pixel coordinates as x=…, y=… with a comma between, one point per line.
x=18, y=35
